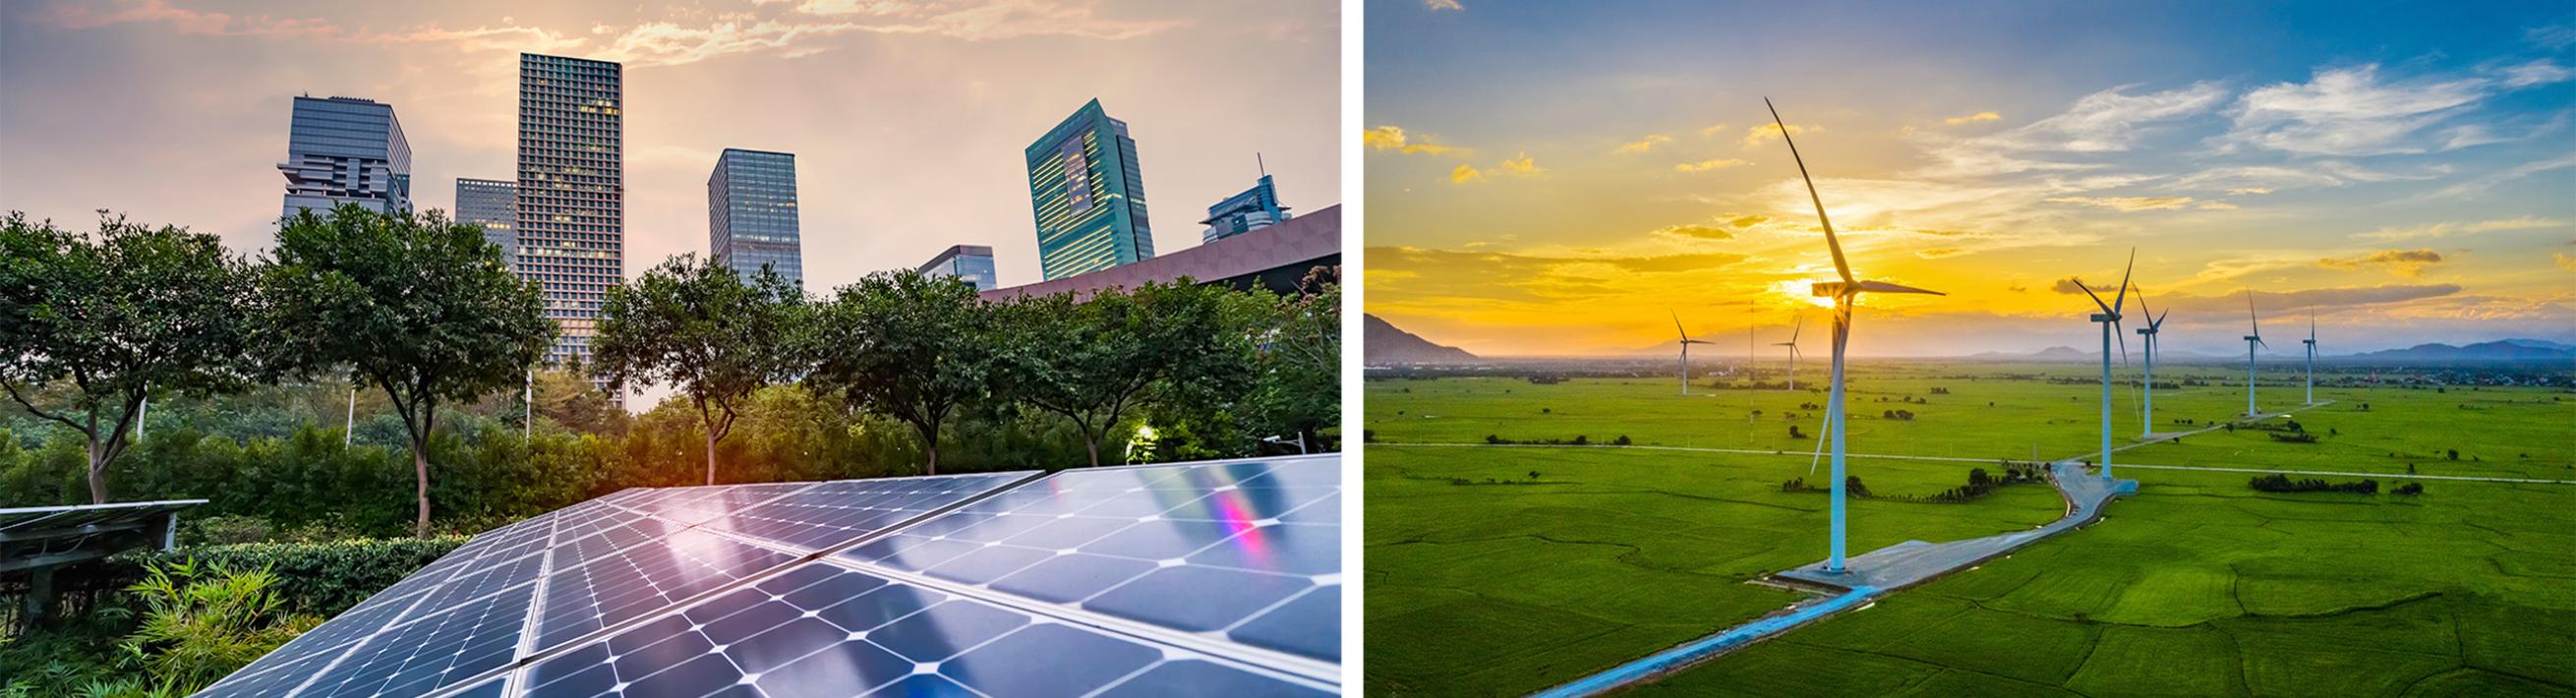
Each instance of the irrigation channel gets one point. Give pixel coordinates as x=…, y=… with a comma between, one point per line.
x=1886, y=570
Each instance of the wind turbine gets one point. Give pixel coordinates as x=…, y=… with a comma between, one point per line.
x=1843, y=292
x=1686, y=342
x=2311, y=341
x=1792, y=344
x=2251, y=341
x=2155, y=322
x=2109, y=318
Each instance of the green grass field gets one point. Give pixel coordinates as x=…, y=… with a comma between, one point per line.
x=2198, y=585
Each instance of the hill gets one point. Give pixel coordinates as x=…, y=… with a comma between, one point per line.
x=2500, y=350
x=1385, y=344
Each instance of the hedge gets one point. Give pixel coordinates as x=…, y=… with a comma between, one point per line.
x=318, y=578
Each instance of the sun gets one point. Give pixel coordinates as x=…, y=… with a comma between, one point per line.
x=1801, y=291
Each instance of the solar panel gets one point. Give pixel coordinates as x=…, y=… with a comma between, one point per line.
x=1212, y=578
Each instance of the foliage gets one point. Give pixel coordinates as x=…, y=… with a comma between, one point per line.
x=420, y=307
x=704, y=330
x=2283, y=483
x=202, y=622
x=907, y=346
x=107, y=319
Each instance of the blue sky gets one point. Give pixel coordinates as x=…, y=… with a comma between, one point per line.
x=2400, y=166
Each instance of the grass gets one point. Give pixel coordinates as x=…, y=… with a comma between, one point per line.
x=2198, y=585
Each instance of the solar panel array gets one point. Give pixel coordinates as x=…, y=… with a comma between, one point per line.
x=1217, y=578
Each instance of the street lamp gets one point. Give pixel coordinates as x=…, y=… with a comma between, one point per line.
x=1301, y=442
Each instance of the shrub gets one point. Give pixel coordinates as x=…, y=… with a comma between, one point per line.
x=316, y=578
x=2410, y=489
x=202, y=622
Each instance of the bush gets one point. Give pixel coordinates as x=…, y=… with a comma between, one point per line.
x=2283, y=483
x=202, y=622
x=315, y=578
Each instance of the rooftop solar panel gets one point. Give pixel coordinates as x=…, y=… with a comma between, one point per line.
x=1203, y=578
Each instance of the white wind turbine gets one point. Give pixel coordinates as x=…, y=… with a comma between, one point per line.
x=2155, y=322
x=2109, y=318
x=1792, y=344
x=1843, y=292
x=1686, y=342
x=2311, y=341
x=2251, y=341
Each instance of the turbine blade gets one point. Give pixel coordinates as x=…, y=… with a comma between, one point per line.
x=2116, y=330
x=2122, y=300
x=1885, y=287
x=1677, y=324
x=2097, y=299
x=2249, y=313
x=1841, y=267
x=1793, y=331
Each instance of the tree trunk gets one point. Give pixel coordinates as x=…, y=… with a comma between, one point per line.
x=930, y=442
x=420, y=476
x=1093, y=444
x=711, y=457
x=97, y=472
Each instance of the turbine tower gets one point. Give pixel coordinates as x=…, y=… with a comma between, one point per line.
x=1686, y=342
x=2155, y=322
x=2251, y=341
x=1792, y=344
x=1843, y=292
x=2311, y=341
x=2109, y=318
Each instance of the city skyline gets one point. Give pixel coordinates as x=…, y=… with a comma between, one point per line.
x=973, y=82
x=2401, y=172
x=571, y=216
x=1087, y=193
x=345, y=150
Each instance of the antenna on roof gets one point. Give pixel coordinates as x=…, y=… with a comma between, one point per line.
x=1256, y=161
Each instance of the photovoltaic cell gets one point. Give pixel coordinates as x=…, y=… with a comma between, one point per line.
x=1244, y=549
x=827, y=630
x=831, y=513
x=1121, y=581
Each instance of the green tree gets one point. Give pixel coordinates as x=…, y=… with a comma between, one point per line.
x=911, y=347
x=706, y=331
x=1093, y=361
x=576, y=403
x=416, y=305
x=92, y=325
x=1300, y=385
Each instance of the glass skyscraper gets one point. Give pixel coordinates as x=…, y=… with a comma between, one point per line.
x=346, y=150
x=572, y=190
x=493, y=204
x=974, y=263
x=1089, y=196
x=1254, y=209
x=751, y=214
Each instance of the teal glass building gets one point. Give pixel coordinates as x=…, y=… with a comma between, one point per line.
x=1088, y=195
x=751, y=214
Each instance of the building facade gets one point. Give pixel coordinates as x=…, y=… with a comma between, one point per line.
x=751, y=214
x=1254, y=209
x=493, y=204
x=345, y=150
x=974, y=263
x=572, y=190
x=1088, y=194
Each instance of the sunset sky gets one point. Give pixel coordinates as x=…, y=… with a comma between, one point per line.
x=1552, y=178
x=907, y=118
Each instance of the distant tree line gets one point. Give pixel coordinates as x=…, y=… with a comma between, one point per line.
x=2282, y=483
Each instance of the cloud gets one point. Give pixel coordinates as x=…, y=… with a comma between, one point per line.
x=2406, y=263
x=2353, y=112
x=484, y=38
x=2243, y=191
x=2108, y=121
x=2255, y=179
x=186, y=21
x=1465, y=173
x=2564, y=261
x=2552, y=37
x=2069, y=285
x=1522, y=167
x=2216, y=206
x=2483, y=183
x=2447, y=229
x=2314, y=298
x=1713, y=129
x=983, y=20
x=1437, y=5
x=1759, y=134
x=1696, y=232
x=1972, y=118
x=1393, y=138
x=2127, y=204
x=1675, y=262
x=1710, y=164
x=1645, y=144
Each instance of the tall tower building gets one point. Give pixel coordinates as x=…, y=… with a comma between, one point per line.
x=346, y=150
x=973, y=263
x=493, y=204
x=751, y=214
x=572, y=190
x=1089, y=196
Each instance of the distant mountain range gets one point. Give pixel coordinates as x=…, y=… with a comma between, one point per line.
x=1384, y=345
x=2499, y=350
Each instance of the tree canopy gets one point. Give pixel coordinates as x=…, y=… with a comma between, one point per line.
x=416, y=305
x=908, y=346
x=705, y=330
